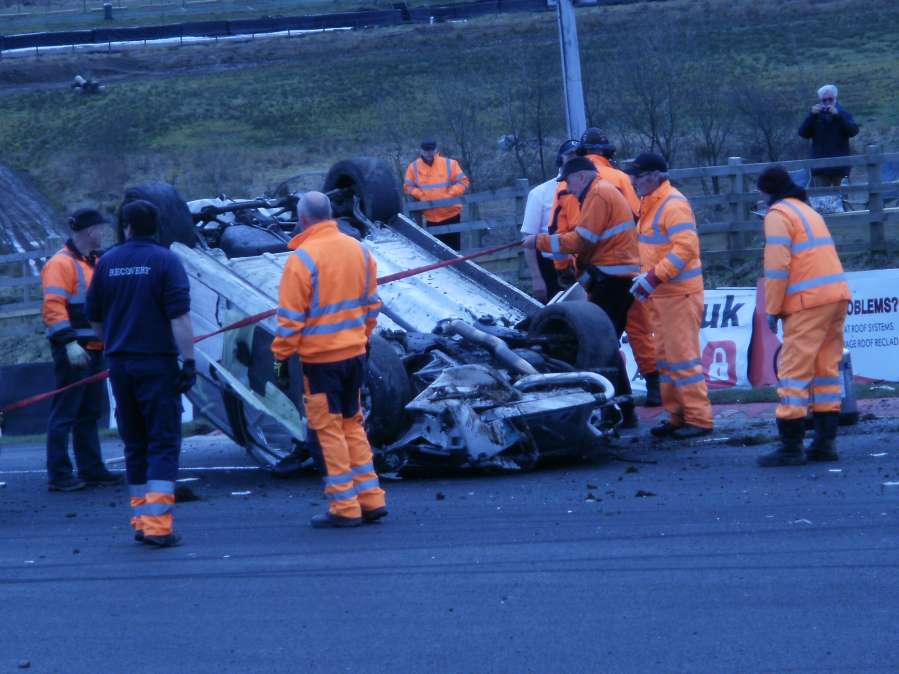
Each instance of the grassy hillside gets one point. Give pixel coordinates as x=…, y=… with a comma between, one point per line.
x=240, y=117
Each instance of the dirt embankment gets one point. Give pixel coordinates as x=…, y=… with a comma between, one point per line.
x=27, y=219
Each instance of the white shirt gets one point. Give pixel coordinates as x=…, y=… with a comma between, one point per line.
x=538, y=209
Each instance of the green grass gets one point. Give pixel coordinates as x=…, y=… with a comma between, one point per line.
x=240, y=117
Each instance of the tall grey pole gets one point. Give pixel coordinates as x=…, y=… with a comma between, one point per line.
x=572, y=86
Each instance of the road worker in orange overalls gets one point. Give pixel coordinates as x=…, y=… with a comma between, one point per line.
x=327, y=309
x=672, y=277
x=432, y=177
x=596, y=147
x=604, y=244
x=806, y=289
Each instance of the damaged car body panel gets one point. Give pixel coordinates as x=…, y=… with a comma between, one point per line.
x=458, y=374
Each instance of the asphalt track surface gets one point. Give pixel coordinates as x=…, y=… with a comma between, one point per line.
x=725, y=567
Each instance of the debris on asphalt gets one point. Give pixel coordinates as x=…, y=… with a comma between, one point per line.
x=70, y=515
x=891, y=484
x=29, y=561
x=241, y=493
x=2, y=484
x=642, y=493
x=183, y=494
x=76, y=551
x=24, y=664
x=591, y=497
x=188, y=479
x=440, y=496
x=632, y=469
x=591, y=486
x=878, y=454
x=801, y=521
x=834, y=470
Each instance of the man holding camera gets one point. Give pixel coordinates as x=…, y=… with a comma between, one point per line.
x=829, y=127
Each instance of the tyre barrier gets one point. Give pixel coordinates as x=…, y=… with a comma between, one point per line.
x=262, y=25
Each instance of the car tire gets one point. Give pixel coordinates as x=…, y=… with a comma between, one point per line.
x=584, y=335
x=372, y=180
x=386, y=393
x=175, y=221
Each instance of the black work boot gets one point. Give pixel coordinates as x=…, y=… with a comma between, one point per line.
x=663, y=429
x=67, y=483
x=372, y=516
x=103, y=479
x=330, y=521
x=824, y=444
x=653, y=392
x=628, y=415
x=167, y=541
x=790, y=451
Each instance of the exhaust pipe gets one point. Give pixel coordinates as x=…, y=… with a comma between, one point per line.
x=492, y=343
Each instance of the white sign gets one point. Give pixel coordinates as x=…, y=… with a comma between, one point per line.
x=723, y=340
x=872, y=324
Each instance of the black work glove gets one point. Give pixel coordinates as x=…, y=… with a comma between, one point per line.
x=282, y=374
x=187, y=377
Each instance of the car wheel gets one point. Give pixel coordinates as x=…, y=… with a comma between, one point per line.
x=386, y=392
x=370, y=179
x=175, y=221
x=580, y=334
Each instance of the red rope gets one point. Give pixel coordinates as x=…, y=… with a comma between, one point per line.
x=250, y=320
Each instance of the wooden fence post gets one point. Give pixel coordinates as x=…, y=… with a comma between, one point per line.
x=471, y=239
x=875, y=199
x=735, y=238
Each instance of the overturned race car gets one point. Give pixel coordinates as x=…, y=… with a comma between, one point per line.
x=465, y=370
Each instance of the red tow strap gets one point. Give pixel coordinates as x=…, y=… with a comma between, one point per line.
x=250, y=320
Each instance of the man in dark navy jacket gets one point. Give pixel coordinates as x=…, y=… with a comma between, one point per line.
x=140, y=303
x=829, y=127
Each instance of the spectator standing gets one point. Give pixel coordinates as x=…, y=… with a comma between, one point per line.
x=432, y=177
x=829, y=127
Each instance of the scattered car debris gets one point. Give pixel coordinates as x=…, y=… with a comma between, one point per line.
x=71, y=515
x=87, y=85
x=801, y=521
x=188, y=479
x=891, y=484
x=241, y=493
x=879, y=454
x=440, y=496
x=184, y=494
x=24, y=664
x=642, y=493
x=632, y=469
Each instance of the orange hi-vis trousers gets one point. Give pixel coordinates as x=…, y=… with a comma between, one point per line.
x=676, y=320
x=332, y=397
x=808, y=367
x=152, y=505
x=639, y=334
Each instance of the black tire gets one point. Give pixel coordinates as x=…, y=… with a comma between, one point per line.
x=582, y=335
x=372, y=180
x=175, y=223
x=387, y=391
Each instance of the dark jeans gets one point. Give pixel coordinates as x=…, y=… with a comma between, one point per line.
x=76, y=411
x=148, y=413
x=612, y=295
x=550, y=277
x=453, y=240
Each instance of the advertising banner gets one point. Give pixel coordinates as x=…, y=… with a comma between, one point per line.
x=724, y=340
x=872, y=324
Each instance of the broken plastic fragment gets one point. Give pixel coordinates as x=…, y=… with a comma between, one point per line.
x=891, y=484
x=801, y=521
x=879, y=454
x=188, y=479
x=835, y=470
x=241, y=493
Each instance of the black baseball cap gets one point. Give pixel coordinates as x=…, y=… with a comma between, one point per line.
x=645, y=162
x=594, y=140
x=86, y=217
x=428, y=144
x=574, y=165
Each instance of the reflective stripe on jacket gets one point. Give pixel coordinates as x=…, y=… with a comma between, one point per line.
x=604, y=236
x=802, y=268
x=619, y=179
x=65, y=280
x=328, y=299
x=669, y=243
x=566, y=209
x=442, y=179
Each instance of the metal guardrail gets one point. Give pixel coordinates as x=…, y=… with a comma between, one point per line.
x=237, y=27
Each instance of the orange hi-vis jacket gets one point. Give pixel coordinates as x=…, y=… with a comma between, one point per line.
x=65, y=280
x=619, y=179
x=669, y=243
x=442, y=179
x=604, y=236
x=566, y=209
x=802, y=268
x=328, y=299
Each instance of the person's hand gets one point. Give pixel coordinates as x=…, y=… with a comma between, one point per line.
x=530, y=241
x=77, y=356
x=418, y=194
x=816, y=108
x=187, y=377
x=282, y=374
x=644, y=285
x=772, y=323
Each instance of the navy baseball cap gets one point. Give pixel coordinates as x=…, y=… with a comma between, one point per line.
x=645, y=162
x=86, y=217
x=574, y=165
